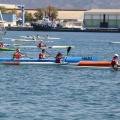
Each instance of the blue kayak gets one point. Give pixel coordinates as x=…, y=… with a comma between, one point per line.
x=67, y=59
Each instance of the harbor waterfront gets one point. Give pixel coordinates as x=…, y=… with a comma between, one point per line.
x=111, y=30
x=46, y=92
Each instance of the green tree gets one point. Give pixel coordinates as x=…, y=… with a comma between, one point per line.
x=13, y=11
x=47, y=12
x=19, y=14
x=3, y=9
x=28, y=17
x=40, y=13
x=51, y=12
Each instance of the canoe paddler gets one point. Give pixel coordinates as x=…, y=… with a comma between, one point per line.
x=47, y=37
x=58, y=58
x=1, y=45
x=114, y=62
x=41, y=44
x=34, y=38
x=37, y=36
x=18, y=54
x=42, y=55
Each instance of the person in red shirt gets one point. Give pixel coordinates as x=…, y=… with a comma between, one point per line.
x=17, y=54
x=42, y=55
x=41, y=44
x=58, y=58
x=114, y=62
x=1, y=45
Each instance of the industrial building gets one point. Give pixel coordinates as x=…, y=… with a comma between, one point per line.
x=10, y=18
x=63, y=14
x=95, y=18
x=102, y=18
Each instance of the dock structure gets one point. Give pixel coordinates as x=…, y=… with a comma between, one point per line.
x=112, y=30
x=19, y=28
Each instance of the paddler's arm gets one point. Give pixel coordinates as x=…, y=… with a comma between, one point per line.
x=24, y=55
x=118, y=64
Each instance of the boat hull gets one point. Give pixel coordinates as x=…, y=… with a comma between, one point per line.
x=67, y=59
x=46, y=47
x=114, y=42
x=82, y=64
x=95, y=63
x=48, y=38
x=7, y=49
x=38, y=27
x=34, y=63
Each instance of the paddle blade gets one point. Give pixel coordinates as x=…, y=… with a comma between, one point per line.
x=68, y=50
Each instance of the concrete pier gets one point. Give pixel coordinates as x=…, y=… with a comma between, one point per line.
x=19, y=28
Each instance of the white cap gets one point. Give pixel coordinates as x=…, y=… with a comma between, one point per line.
x=116, y=55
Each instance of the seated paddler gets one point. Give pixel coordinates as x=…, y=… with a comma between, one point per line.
x=18, y=54
x=1, y=45
x=58, y=58
x=43, y=55
x=114, y=62
x=41, y=44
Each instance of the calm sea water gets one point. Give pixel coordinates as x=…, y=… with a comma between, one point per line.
x=41, y=92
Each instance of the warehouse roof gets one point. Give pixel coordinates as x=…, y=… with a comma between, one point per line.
x=105, y=11
x=8, y=6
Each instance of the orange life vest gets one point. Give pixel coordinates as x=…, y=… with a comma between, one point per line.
x=58, y=59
